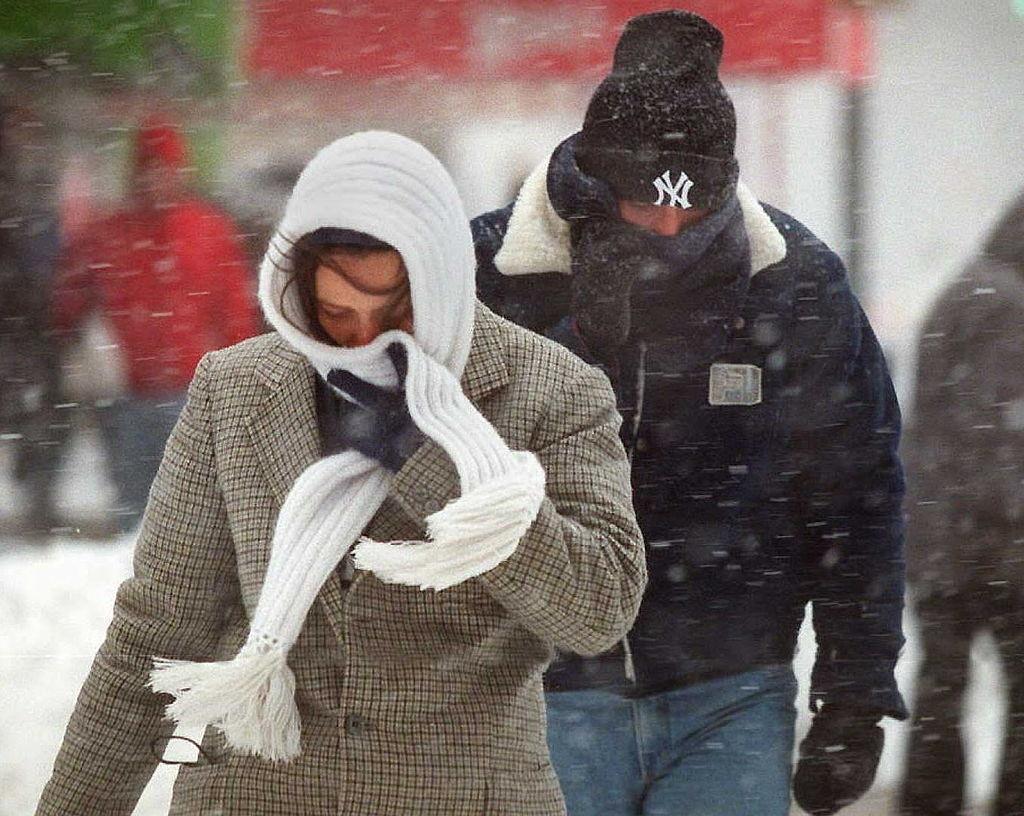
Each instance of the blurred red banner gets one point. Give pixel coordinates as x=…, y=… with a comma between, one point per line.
x=521, y=39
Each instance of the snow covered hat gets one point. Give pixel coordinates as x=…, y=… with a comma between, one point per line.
x=660, y=128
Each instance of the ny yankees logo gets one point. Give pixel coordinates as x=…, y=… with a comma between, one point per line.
x=678, y=194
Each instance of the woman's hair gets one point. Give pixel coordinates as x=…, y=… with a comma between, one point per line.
x=302, y=258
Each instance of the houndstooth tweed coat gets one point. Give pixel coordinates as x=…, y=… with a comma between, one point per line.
x=412, y=702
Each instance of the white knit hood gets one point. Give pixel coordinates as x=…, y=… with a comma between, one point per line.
x=394, y=189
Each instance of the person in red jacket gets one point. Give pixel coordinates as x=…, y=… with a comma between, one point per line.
x=169, y=276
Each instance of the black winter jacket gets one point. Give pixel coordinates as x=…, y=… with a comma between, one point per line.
x=965, y=448
x=749, y=512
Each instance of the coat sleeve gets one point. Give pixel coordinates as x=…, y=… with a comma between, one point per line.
x=849, y=489
x=577, y=577
x=174, y=605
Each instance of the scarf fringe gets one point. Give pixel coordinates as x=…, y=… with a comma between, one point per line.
x=468, y=537
x=251, y=699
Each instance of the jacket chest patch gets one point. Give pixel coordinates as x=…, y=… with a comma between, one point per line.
x=734, y=384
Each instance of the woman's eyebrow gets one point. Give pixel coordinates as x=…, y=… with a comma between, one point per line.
x=378, y=292
x=336, y=306
x=342, y=307
x=339, y=269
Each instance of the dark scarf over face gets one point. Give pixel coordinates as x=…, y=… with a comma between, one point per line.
x=629, y=284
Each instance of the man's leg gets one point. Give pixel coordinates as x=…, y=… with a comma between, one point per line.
x=1009, y=633
x=155, y=421
x=731, y=748
x=114, y=420
x=934, y=780
x=46, y=432
x=136, y=431
x=39, y=459
x=593, y=743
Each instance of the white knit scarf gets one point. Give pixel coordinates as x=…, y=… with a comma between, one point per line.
x=390, y=187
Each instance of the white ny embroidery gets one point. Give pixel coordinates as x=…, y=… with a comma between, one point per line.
x=678, y=194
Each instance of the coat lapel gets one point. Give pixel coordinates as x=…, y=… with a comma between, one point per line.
x=286, y=437
x=283, y=425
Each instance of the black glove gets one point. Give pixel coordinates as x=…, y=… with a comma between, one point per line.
x=565, y=333
x=838, y=760
x=377, y=424
x=607, y=258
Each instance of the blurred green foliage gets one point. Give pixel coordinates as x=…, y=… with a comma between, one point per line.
x=188, y=41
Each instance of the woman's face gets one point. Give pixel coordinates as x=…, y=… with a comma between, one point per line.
x=362, y=295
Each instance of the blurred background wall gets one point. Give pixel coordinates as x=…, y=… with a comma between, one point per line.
x=946, y=119
x=931, y=90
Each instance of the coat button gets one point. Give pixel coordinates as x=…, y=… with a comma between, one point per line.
x=356, y=725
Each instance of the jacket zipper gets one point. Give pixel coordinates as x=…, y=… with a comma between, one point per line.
x=629, y=667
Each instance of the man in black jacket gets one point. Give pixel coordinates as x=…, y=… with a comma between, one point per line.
x=965, y=453
x=29, y=358
x=763, y=429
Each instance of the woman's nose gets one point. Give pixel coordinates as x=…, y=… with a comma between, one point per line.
x=365, y=333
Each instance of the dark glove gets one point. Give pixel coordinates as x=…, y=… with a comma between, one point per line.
x=838, y=760
x=565, y=333
x=377, y=423
x=607, y=258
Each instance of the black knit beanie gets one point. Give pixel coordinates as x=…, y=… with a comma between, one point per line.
x=661, y=128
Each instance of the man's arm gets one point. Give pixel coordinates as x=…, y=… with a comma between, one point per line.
x=74, y=285
x=238, y=319
x=174, y=605
x=850, y=488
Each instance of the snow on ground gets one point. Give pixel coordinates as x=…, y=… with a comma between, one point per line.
x=56, y=601
x=55, y=604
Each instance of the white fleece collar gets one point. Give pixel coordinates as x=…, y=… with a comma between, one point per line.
x=537, y=239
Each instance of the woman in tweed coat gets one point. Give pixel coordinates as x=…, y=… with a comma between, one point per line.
x=410, y=699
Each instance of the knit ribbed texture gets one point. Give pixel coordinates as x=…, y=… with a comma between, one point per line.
x=392, y=188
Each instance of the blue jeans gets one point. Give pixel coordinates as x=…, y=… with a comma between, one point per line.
x=720, y=748
x=135, y=431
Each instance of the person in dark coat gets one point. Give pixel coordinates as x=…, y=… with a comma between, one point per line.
x=29, y=358
x=763, y=431
x=168, y=273
x=965, y=455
